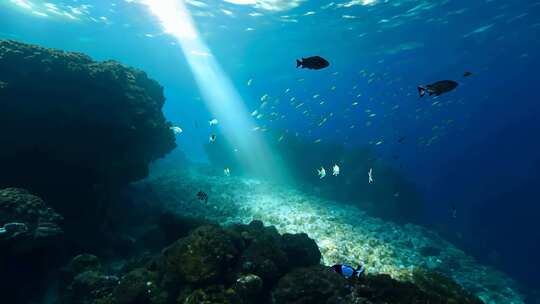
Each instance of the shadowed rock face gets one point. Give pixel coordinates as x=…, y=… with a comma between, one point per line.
x=73, y=129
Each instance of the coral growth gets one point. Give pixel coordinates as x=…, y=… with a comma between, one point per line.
x=26, y=220
x=343, y=233
x=75, y=130
x=191, y=270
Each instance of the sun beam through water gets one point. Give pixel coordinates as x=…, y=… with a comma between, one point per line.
x=218, y=92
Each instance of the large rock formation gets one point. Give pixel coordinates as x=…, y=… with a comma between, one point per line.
x=209, y=266
x=89, y=122
x=74, y=130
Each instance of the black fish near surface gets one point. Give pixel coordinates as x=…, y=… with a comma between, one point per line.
x=312, y=63
x=437, y=88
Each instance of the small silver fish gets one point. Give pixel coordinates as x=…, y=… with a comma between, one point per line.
x=335, y=170
x=176, y=130
x=321, y=172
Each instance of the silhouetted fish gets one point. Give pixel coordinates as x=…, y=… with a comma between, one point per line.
x=312, y=63
x=454, y=210
x=401, y=139
x=437, y=88
x=202, y=196
x=467, y=74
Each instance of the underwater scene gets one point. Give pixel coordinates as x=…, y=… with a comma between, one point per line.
x=269, y=151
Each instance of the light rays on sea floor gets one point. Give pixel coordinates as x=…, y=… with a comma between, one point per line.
x=343, y=233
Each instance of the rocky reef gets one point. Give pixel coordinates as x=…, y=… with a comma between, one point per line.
x=25, y=221
x=75, y=131
x=239, y=264
x=30, y=236
x=344, y=233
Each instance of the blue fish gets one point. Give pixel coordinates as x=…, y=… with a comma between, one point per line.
x=348, y=271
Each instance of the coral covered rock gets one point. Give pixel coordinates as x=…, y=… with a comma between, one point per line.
x=211, y=295
x=25, y=220
x=74, y=129
x=301, y=250
x=84, y=262
x=314, y=285
x=89, y=286
x=202, y=256
x=207, y=267
x=138, y=286
x=440, y=286
x=248, y=285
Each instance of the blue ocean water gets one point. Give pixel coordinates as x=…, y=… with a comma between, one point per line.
x=476, y=147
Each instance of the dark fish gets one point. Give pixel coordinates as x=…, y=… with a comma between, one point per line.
x=348, y=272
x=454, y=210
x=467, y=74
x=202, y=196
x=437, y=88
x=401, y=139
x=312, y=63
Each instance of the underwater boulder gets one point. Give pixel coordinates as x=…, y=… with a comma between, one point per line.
x=84, y=262
x=248, y=286
x=301, y=250
x=265, y=259
x=313, y=285
x=139, y=286
x=202, y=256
x=75, y=131
x=437, y=285
x=90, y=286
x=26, y=222
x=214, y=294
x=263, y=255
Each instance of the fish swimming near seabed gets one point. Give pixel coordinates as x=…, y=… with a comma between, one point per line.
x=437, y=88
x=312, y=63
x=321, y=172
x=348, y=272
x=202, y=196
x=370, y=175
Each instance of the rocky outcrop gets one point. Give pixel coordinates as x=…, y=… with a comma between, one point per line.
x=25, y=221
x=30, y=234
x=201, y=257
x=208, y=266
x=74, y=130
